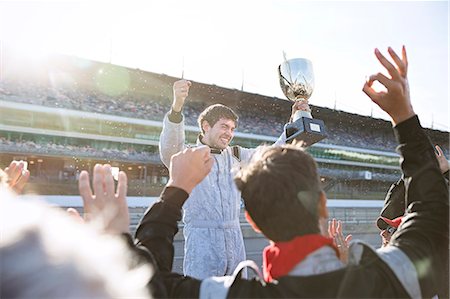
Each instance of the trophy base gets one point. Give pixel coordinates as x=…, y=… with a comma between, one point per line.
x=307, y=130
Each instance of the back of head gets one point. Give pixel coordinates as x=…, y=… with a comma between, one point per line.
x=214, y=113
x=281, y=190
x=45, y=254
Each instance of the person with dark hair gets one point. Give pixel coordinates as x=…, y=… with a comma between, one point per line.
x=281, y=192
x=214, y=245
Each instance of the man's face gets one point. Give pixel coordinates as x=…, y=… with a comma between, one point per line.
x=220, y=135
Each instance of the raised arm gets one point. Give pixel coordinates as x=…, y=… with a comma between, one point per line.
x=159, y=224
x=104, y=205
x=423, y=234
x=172, y=136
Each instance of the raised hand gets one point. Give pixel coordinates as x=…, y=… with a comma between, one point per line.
x=396, y=100
x=190, y=167
x=105, y=207
x=180, y=93
x=343, y=244
x=17, y=176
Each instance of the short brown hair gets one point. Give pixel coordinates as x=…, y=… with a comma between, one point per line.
x=281, y=190
x=214, y=113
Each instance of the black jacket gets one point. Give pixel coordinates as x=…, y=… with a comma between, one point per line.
x=422, y=240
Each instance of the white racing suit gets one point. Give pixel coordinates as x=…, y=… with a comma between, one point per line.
x=214, y=245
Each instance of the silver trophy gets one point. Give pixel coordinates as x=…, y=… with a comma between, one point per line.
x=297, y=82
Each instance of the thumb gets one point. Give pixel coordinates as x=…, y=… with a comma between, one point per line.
x=75, y=215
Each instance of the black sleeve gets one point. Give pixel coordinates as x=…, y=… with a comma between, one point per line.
x=424, y=232
x=155, y=233
x=394, y=203
x=175, y=117
x=159, y=225
x=141, y=256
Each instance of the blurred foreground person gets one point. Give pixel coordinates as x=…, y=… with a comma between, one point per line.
x=46, y=254
x=281, y=191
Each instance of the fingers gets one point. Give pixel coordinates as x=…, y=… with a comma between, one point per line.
x=122, y=186
x=14, y=171
x=348, y=239
x=385, y=81
x=442, y=160
x=332, y=228
x=405, y=59
x=75, y=215
x=402, y=68
x=375, y=96
x=98, y=183
x=339, y=227
x=85, y=191
x=190, y=167
x=439, y=150
x=181, y=87
x=301, y=106
x=109, y=180
x=389, y=66
x=371, y=93
x=23, y=179
x=204, y=151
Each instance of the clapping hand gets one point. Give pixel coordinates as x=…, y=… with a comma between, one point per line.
x=105, y=206
x=17, y=175
x=342, y=244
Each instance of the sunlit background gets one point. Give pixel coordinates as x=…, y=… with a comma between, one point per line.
x=239, y=44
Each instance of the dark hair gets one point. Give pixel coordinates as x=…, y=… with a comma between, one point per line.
x=214, y=113
x=281, y=190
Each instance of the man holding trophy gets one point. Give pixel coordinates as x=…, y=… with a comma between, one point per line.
x=214, y=245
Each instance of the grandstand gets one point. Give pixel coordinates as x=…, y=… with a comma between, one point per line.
x=66, y=114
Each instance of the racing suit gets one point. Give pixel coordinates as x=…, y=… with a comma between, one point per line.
x=214, y=245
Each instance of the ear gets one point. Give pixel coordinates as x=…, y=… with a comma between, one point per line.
x=322, y=205
x=252, y=223
x=205, y=126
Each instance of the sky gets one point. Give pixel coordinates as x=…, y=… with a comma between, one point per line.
x=239, y=44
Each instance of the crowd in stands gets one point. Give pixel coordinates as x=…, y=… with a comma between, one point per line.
x=27, y=146
x=139, y=106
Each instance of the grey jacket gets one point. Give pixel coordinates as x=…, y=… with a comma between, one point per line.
x=214, y=245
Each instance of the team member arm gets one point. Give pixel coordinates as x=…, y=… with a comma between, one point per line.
x=106, y=207
x=423, y=234
x=158, y=227
x=172, y=138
